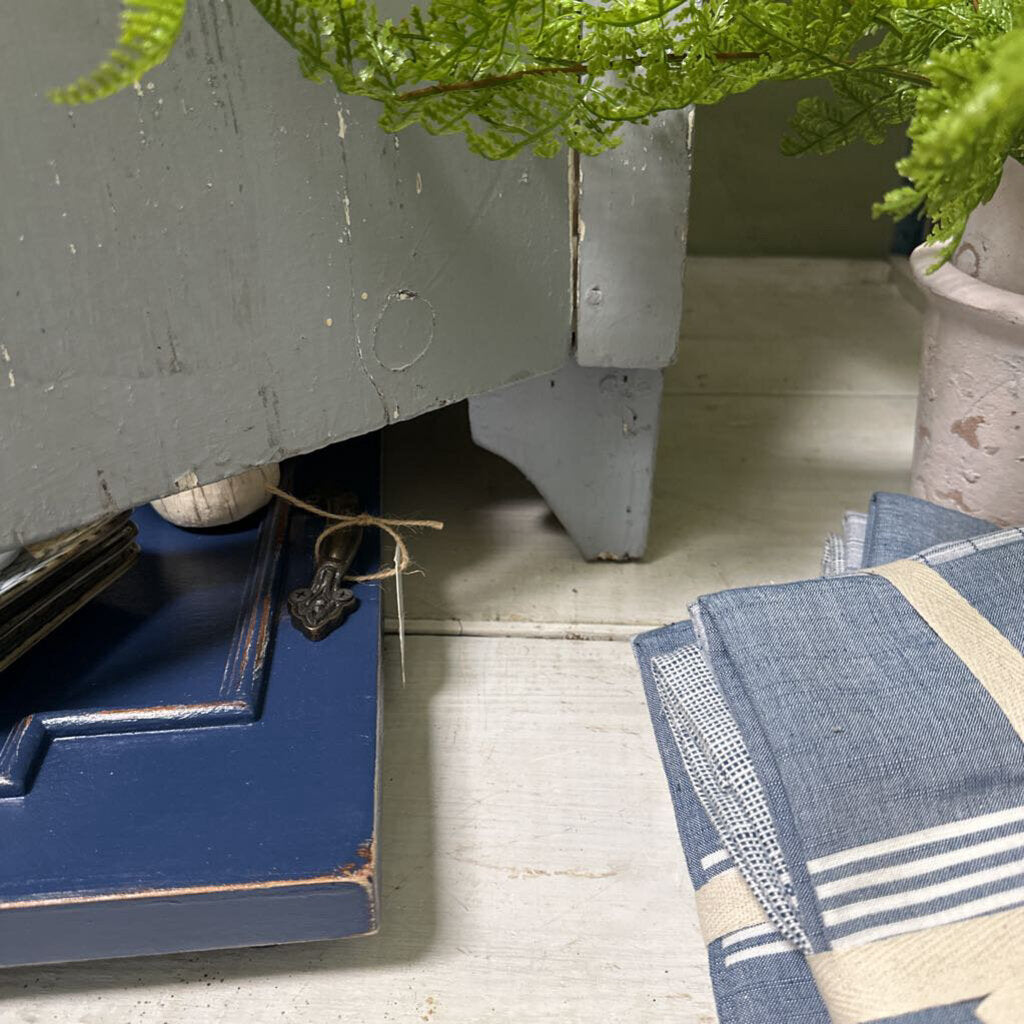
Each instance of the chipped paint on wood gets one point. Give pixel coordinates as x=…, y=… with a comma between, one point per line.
x=586, y=439
x=241, y=688
x=221, y=231
x=633, y=210
x=361, y=877
x=259, y=831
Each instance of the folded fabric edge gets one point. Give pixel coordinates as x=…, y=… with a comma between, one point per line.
x=728, y=912
x=645, y=647
x=725, y=902
x=996, y=664
x=714, y=756
x=733, y=943
x=845, y=552
x=889, y=979
x=727, y=773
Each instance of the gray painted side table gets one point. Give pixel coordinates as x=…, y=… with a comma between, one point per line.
x=231, y=265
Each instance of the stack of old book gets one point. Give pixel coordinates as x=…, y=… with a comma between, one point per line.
x=51, y=580
x=846, y=761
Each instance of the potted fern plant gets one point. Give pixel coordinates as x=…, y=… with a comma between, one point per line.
x=511, y=75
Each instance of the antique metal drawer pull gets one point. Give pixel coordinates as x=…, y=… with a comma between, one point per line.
x=319, y=608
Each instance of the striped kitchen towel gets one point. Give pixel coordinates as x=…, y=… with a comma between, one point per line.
x=846, y=762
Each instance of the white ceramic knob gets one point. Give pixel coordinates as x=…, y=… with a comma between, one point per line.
x=225, y=501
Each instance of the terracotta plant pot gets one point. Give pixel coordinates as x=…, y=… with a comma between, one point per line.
x=969, y=449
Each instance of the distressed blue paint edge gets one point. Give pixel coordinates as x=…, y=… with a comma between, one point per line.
x=351, y=874
x=57, y=933
x=242, y=687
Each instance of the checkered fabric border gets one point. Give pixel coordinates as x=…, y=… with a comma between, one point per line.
x=723, y=776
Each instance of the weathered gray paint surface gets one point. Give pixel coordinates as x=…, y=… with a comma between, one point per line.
x=586, y=437
x=228, y=266
x=633, y=207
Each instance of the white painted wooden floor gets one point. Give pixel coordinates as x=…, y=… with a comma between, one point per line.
x=531, y=867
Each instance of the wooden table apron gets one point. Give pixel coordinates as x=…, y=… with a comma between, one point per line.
x=194, y=772
x=233, y=264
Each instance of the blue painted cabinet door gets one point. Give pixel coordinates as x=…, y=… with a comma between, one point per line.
x=181, y=768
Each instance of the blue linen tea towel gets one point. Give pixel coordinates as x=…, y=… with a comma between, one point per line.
x=846, y=766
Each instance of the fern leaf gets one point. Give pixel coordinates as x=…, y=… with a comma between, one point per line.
x=516, y=75
x=149, y=29
x=963, y=131
x=861, y=110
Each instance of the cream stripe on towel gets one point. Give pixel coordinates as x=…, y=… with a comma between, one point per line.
x=995, y=662
x=1004, y=1005
x=935, y=967
x=726, y=904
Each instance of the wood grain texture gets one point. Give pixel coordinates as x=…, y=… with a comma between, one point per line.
x=632, y=226
x=531, y=869
x=585, y=437
x=793, y=400
x=789, y=325
x=228, y=265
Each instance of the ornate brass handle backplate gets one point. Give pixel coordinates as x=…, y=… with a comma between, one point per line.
x=318, y=609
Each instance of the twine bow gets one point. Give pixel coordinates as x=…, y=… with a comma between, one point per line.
x=392, y=527
x=341, y=521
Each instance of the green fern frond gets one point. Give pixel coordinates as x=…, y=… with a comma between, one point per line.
x=862, y=109
x=518, y=75
x=962, y=132
x=149, y=29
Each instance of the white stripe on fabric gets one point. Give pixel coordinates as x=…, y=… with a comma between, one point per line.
x=953, y=549
x=755, y=931
x=910, y=897
x=714, y=858
x=833, y=556
x=951, y=830
x=855, y=530
x=985, y=541
x=921, y=866
x=768, y=949
x=987, y=904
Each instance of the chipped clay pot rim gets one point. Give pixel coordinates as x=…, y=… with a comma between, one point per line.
x=952, y=286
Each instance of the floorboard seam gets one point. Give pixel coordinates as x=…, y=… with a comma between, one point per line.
x=505, y=630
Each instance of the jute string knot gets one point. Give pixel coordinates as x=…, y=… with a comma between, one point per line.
x=392, y=527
